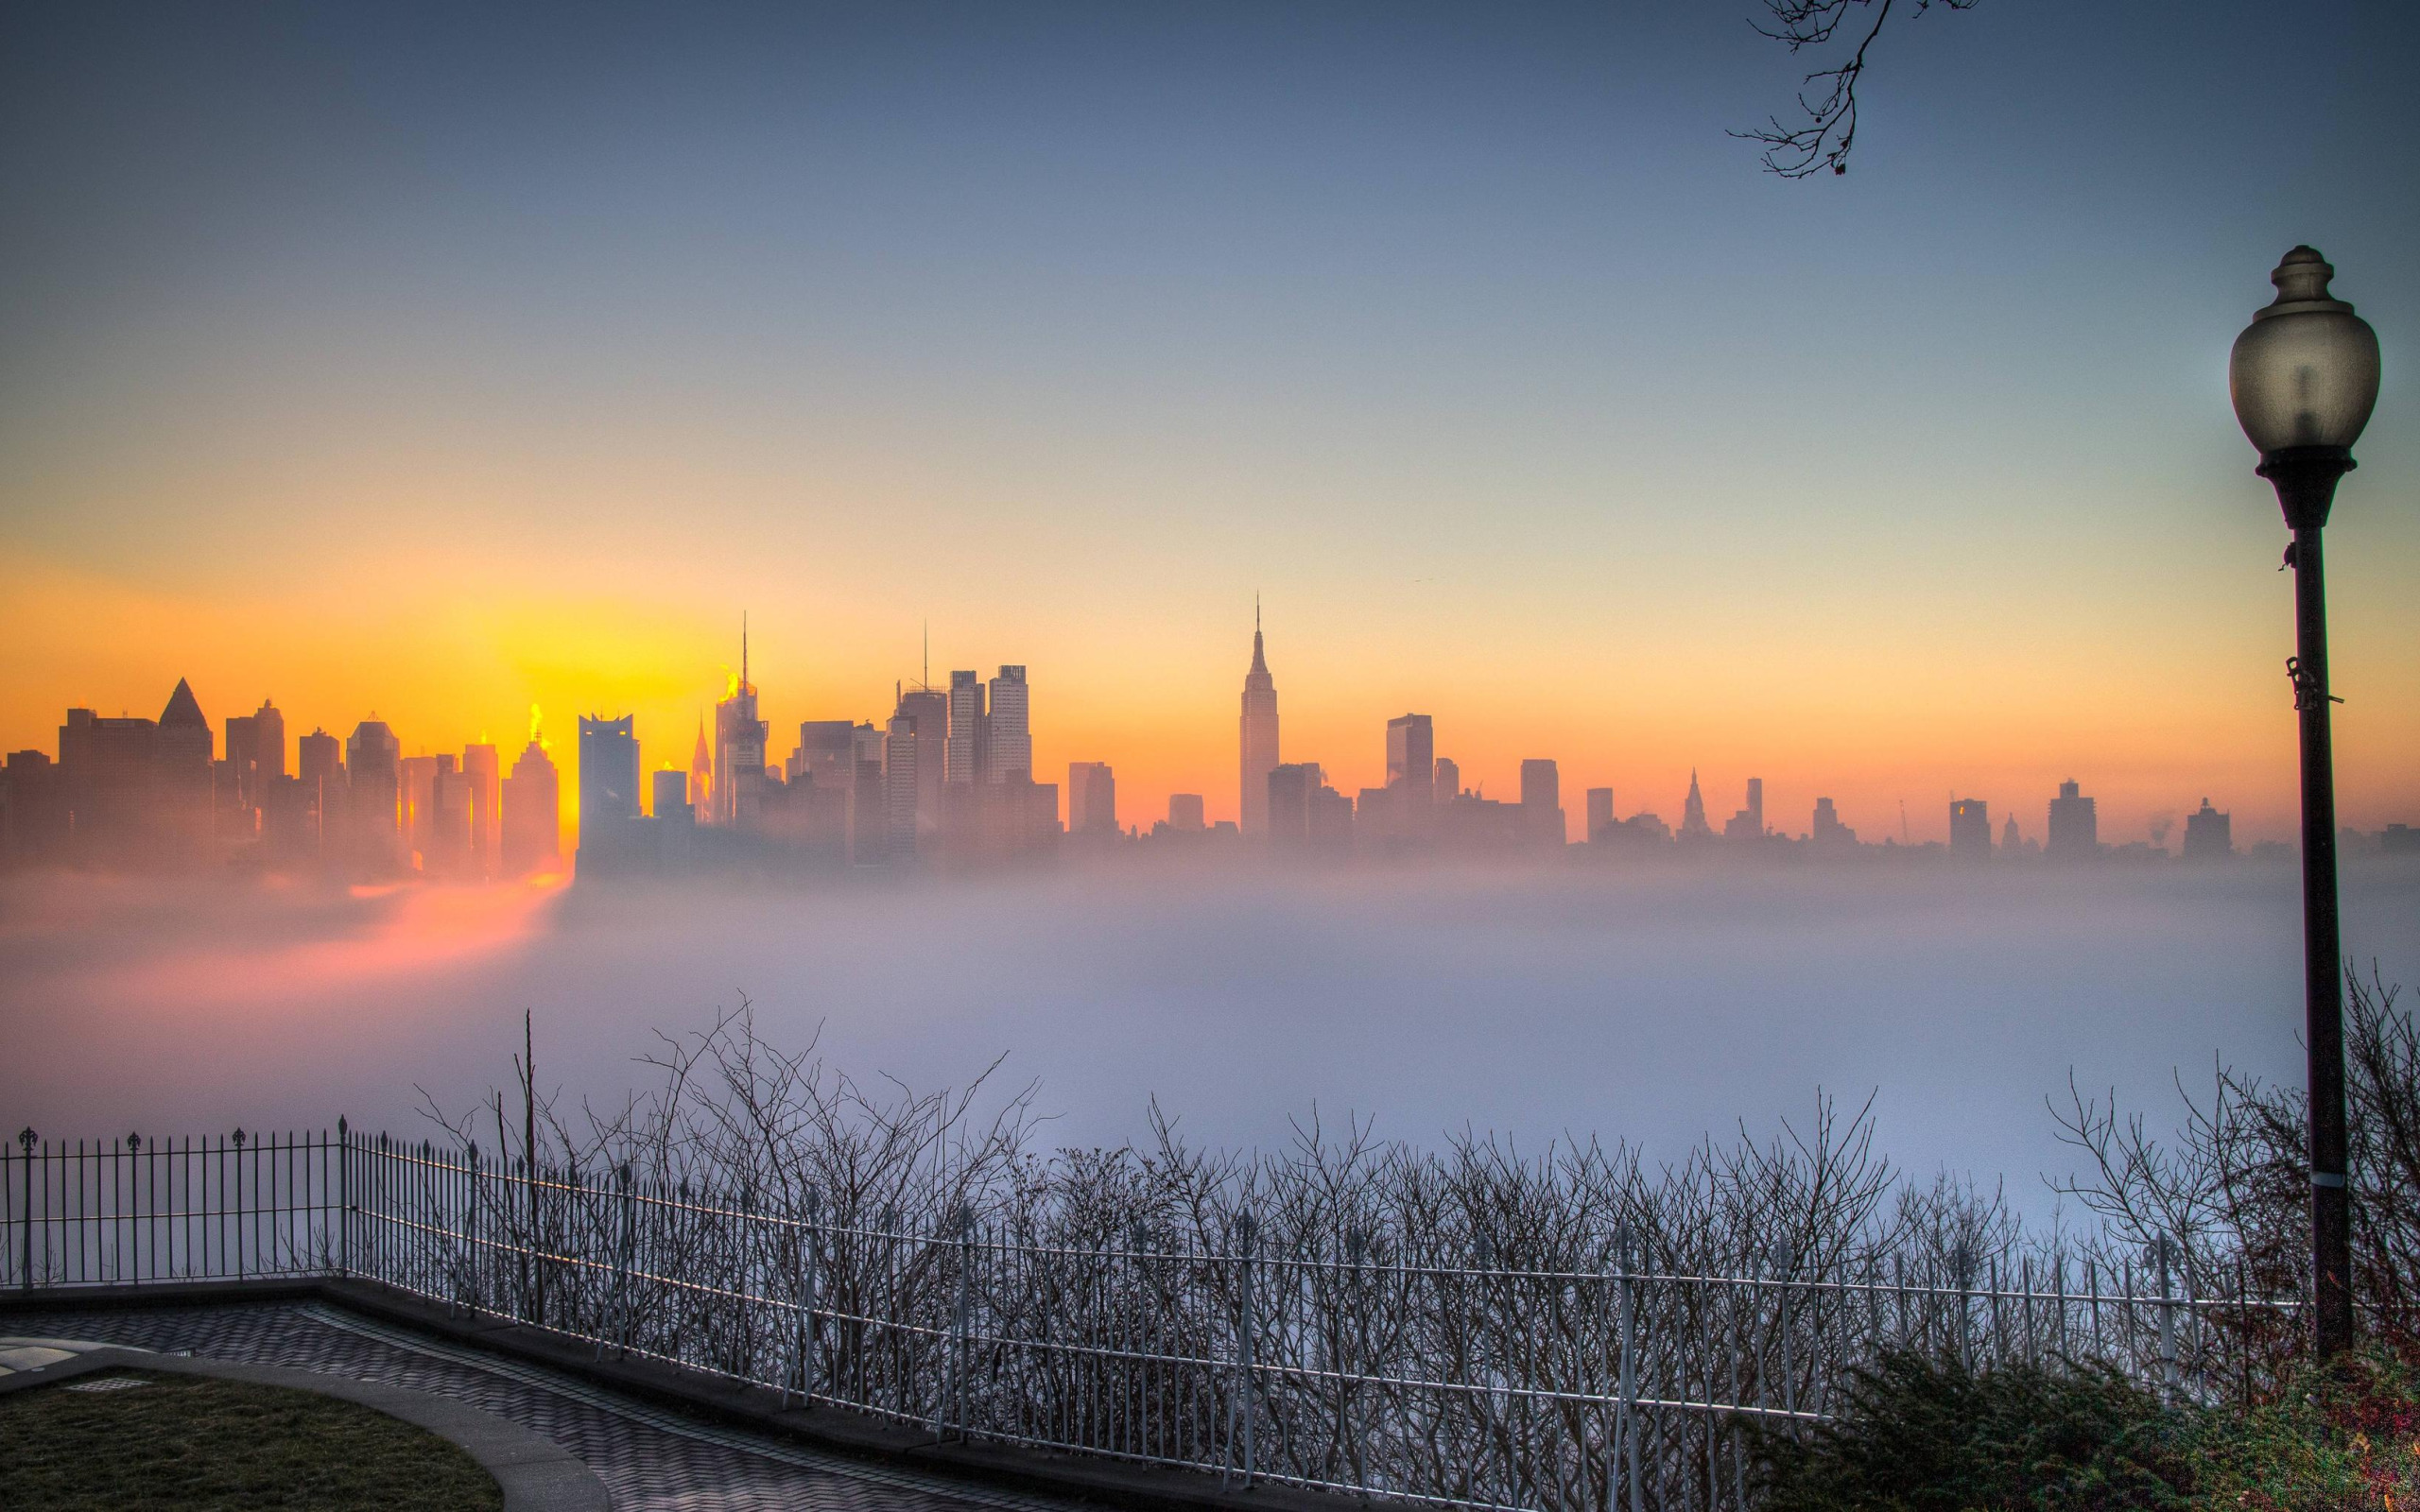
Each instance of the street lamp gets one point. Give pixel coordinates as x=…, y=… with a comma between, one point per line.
x=2304, y=376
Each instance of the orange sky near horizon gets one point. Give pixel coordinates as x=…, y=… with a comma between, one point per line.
x=1914, y=701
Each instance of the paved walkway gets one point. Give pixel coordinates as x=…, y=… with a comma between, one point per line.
x=650, y=1459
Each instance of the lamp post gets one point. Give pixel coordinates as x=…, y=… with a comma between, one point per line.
x=2304, y=376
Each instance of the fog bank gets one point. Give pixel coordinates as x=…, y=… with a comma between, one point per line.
x=1648, y=1005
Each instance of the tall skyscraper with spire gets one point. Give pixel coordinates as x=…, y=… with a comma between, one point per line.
x=1259, y=733
x=739, y=746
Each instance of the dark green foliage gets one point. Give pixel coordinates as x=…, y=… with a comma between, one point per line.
x=1925, y=1436
x=1921, y=1435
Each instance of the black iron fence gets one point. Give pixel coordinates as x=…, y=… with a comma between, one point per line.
x=1465, y=1382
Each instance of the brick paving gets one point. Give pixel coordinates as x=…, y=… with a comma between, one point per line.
x=650, y=1459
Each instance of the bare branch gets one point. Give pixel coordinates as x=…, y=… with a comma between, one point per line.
x=1827, y=96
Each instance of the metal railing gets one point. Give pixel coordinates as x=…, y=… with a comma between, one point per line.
x=1469, y=1384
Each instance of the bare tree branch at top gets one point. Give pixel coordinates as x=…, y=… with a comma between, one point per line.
x=1827, y=96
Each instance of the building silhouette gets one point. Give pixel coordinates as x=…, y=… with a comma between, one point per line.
x=1693, y=825
x=1826, y=833
x=1448, y=781
x=1749, y=823
x=609, y=791
x=532, y=813
x=962, y=765
x=1009, y=740
x=2074, y=833
x=184, y=753
x=254, y=764
x=868, y=814
x=1091, y=800
x=2011, y=843
x=1257, y=741
x=109, y=786
x=919, y=734
x=373, y=760
x=1970, y=830
x=1601, y=811
x=826, y=755
x=739, y=748
x=2209, y=835
x=1411, y=759
x=900, y=782
x=1541, y=802
x=668, y=796
x=320, y=777
x=1186, y=812
x=1287, y=801
x=482, y=776
x=702, y=773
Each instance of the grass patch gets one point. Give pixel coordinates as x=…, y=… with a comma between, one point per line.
x=192, y=1443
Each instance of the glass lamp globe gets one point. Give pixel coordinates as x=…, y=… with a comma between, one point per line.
x=2305, y=373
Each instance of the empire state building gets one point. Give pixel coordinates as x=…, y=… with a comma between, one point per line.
x=1260, y=734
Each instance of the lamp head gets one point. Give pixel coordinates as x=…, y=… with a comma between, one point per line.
x=2305, y=373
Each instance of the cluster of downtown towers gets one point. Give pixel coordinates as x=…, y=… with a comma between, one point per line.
x=946, y=783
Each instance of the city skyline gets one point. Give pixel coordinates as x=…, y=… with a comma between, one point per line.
x=945, y=780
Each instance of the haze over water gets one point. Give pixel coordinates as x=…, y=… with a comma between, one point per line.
x=1655, y=1003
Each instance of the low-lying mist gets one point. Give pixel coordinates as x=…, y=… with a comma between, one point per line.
x=1654, y=1005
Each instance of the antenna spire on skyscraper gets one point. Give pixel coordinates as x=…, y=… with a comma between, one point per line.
x=743, y=649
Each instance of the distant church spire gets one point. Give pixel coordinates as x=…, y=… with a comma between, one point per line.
x=1693, y=809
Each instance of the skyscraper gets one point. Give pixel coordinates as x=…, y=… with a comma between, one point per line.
x=1448, y=780
x=1292, y=786
x=963, y=765
x=1601, y=811
x=533, y=812
x=701, y=774
x=927, y=711
x=1092, y=800
x=868, y=816
x=1541, y=802
x=1259, y=735
x=1829, y=833
x=256, y=744
x=1411, y=758
x=608, y=787
x=1693, y=825
x=739, y=746
x=482, y=773
x=1749, y=823
x=2075, y=829
x=1010, y=749
x=373, y=762
x=900, y=782
x=826, y=754
x=1184, y=811
x=1970, y=830
x=320, y=766
x=2209, y=835
x=183, y=750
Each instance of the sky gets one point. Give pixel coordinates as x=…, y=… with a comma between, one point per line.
x=444, y=361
